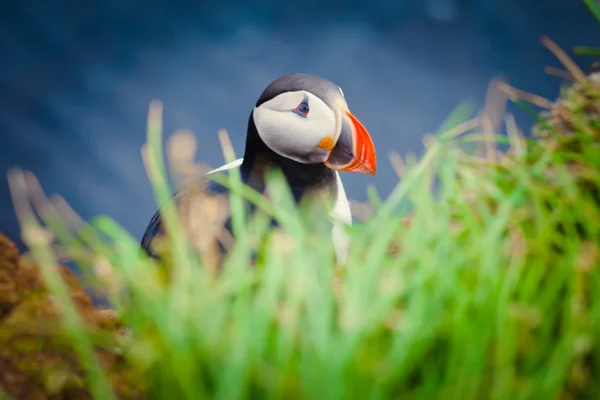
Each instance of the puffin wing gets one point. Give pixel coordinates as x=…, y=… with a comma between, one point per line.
x=203, y=208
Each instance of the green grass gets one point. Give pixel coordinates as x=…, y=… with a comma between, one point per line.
x=493, y=291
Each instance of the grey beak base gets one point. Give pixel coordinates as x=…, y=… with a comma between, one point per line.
x=343, y=152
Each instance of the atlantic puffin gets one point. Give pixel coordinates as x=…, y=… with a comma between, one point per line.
x=300, y=124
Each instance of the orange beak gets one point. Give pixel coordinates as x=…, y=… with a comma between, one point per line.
x=354, y=150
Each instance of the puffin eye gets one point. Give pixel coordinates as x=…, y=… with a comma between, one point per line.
x=302, y=109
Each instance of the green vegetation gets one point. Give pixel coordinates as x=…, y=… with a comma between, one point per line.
x=489, y=289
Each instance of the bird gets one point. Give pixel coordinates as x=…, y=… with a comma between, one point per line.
x=301, y=124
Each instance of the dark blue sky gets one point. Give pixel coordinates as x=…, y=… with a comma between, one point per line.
x=76, y=80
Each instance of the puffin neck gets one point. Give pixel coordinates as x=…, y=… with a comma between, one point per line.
x=300, y=177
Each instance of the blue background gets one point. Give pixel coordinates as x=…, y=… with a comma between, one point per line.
x=76, y=79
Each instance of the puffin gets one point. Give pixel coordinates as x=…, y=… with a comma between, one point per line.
x=301, y=124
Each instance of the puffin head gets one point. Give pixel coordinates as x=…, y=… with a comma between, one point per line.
x=306, y=118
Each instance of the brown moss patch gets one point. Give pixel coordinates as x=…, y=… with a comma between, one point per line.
x=37, y=360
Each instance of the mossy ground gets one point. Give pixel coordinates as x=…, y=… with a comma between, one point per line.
x=37, y=360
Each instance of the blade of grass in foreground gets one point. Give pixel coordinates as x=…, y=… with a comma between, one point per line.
x=587, y=50
x=38, y=240
x=594, y=8
x=153, y=153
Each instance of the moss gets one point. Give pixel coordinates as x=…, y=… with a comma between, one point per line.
x=36, y=359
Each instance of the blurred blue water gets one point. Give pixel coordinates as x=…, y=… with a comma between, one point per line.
x=76, y=80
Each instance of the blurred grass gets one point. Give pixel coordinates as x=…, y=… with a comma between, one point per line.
x=488, y=290
x=594, y=7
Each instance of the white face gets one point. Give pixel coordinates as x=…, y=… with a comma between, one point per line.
x=298, y=125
